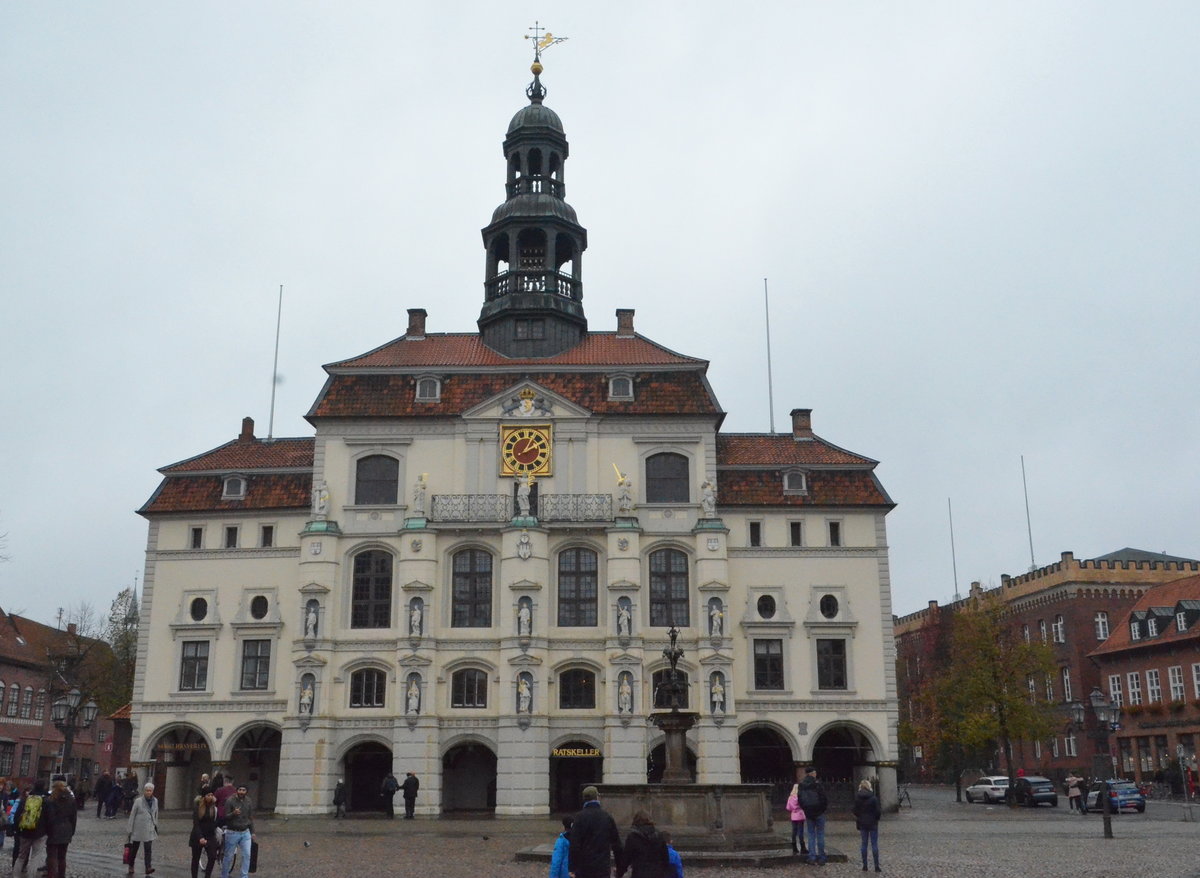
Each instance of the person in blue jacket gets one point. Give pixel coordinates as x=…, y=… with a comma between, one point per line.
x=676, y=862
x=562, y=848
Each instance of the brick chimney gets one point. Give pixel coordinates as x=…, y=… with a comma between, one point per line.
x=802, y=424
x=247, y=434
x=416, y=323
x=72, y=629
x=624, y=323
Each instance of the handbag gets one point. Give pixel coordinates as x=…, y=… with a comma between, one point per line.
x=253, y=856
x=127, y=854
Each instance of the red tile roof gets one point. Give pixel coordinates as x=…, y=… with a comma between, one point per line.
x=240, y=455
x=202, y=493
x=1166, y=595
x=776, y=449
x=29, y=643
x=123, y=712
x=825, y=488
x=468, y=349
x=391, y=395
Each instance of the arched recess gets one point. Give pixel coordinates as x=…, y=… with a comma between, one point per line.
x=179, y=752
x=252, y=757
x=844, y=753
x=766, y=754
x=468, y=775
x=366, y=761
x=656, y=761
x=575, y=762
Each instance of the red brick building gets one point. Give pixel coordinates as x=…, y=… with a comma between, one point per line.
x=1151, y=666
x=30, y=745
x=1071, y=605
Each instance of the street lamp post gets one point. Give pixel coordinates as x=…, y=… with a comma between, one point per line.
x=71, y=717
x=1108, y=719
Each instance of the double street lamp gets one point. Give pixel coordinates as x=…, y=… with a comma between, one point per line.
x=1108, y=719
x=71, y=717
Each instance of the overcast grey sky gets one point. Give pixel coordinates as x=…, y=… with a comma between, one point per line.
x=979, y=221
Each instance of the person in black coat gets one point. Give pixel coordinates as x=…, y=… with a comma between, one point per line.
x=867, y=812
x=339, y=800
x=204, y=833
x=645, y=852
x=409, y=789
x=593, y=837
x=61, y=817
x=103, y=788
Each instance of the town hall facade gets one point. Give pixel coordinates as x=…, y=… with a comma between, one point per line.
x=470, y=569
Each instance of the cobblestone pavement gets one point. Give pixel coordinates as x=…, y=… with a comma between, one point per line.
x=938, y=837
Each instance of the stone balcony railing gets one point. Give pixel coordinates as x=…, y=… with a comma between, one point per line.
x=503, y=507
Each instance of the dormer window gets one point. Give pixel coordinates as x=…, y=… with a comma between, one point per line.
x=620, y=387
x=1152, y=627
x=234, y=488
x=429, y=389
x=1181, y=621
x=1135, y=631
x=795, y=482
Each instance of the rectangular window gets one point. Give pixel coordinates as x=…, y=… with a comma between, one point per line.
x=1025, y=633
x=756, y=533
x=1049, y=687
x=27, y=703
x=1181, y=621
x=8, y=752
x=1152, y=627
x=1135, y=687
x=526, y=328
x=795, y=534
x=577, y=588
x=102, y=735
x=1037, y=749
x=1153, y=686
x=1135, y=632
x=1066, y=680
x=256, y=663
x=1196, y=680
x=268, y=536
x=231, y=537
x=26, y=758
x=768, y=664
x=1042, y=630
x=1102, y=625
x=469, y=689
x=1054, y=747
x=196, y=539
x=1070, y=745
x=1031, y=684
x=1114, y=689
x=1175, y=676
x=835, y=533
x=1059, y=630
x=193, y=668
x=831, y=664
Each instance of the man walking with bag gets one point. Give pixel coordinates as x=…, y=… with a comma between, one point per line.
x=239, y=832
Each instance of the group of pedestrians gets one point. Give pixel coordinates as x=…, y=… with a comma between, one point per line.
x=590, y=842
x=43, y=822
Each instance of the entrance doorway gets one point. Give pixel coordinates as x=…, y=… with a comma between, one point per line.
x=254, y=761
x=837, y=752
x=765, y=757
x=572, y=767
x=180, y=756
x=656, y=764
x=469, y=778
x=366, y=765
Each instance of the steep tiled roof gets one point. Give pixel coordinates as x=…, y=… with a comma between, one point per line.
x=468, y=349
x=1166, y=595
x=825, y=488
x=202, y=493
x=125, y=711
x=776, y=449
x=391, y=395
x=28, y=643
x=250, y=454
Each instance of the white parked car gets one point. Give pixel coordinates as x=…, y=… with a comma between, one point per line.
x=992, y=788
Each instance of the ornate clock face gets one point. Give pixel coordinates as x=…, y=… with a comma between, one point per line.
x=525, y=450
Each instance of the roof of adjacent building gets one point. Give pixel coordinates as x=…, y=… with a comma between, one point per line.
x=28, y=643
x=782, y=449
x=1128, y=554
x=1166, y=595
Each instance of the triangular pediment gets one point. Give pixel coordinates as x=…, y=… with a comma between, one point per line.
x=310, y=662
x=714, y=585
x=622, y=585
x=525, y=585
x=509, y=405
x=417, y=585
x=523, y=660
x=415, y=661
x=716, y=659
x=624, y=658
x=313, y=588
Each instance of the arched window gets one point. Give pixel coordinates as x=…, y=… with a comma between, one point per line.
x=660, y=680
x=371, y=602
x=577, y=607
x=375, y=480
x=669, y=597
x=472, y=590
x=368, y=688
x=667, y=478
x=428, y=390
x=576, y=689
x=468, y=688
x=14, y=699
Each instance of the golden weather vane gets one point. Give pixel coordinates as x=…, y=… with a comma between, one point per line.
x=542, y=40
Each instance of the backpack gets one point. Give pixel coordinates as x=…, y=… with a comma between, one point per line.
x=32, y=814
x=810, y=799
x=390, y=785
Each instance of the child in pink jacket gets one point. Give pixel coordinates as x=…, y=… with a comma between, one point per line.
x=797, y=815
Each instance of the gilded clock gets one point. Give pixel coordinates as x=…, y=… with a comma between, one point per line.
x=525, y=449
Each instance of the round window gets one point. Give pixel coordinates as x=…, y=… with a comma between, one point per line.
x=829, y=606
x=199, y=609
x=258, y=607
x=766, y=606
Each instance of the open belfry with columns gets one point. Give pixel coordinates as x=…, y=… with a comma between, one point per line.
x=470, y=568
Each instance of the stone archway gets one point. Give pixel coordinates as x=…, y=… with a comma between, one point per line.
x=840, y=753
x=765, y=756
x=365, y=767
x=254, y=761
x=656, y=763
x=469, y=778
x=179, y=755
x=573, y=765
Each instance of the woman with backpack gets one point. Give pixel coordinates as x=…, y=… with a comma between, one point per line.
x=143, y=826
x=61, y=816
x=31, y=826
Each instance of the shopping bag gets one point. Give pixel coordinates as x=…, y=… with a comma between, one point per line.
x=127, y=854
x=253, y=856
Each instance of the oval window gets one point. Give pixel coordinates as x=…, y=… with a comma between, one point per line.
x=258, y=607
x=199, y=609
x=829, y=606
x=766, y=606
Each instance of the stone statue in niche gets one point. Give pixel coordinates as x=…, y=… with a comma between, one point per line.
x=310, y=621
x=524, y=619
x=524, y=487
x=625, y=696
x=717, y=692
x=524, y=696
x=418, y=499
x=715, y=619
x=624, y=493
x=306, y=697
x=708, y=497
x=320, y=499
x=414, y=696
x=624, y=618
x=414, y=619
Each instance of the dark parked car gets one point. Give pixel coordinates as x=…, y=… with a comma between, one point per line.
x=1123, y=794
x=1034, y=790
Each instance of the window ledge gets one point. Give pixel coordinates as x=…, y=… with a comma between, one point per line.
x=253, y=693
x=770, y=693
x=839, y=693
x=196, y=694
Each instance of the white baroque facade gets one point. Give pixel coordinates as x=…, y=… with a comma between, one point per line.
x=469, y=571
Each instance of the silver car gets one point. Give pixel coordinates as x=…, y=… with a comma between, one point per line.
x=992, y=788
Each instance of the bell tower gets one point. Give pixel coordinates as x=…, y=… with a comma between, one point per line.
x=533, y=287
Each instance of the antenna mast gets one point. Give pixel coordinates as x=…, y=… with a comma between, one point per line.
x=1028, y=522
x=275, y=365
x=953, y=556
x=770, y=383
